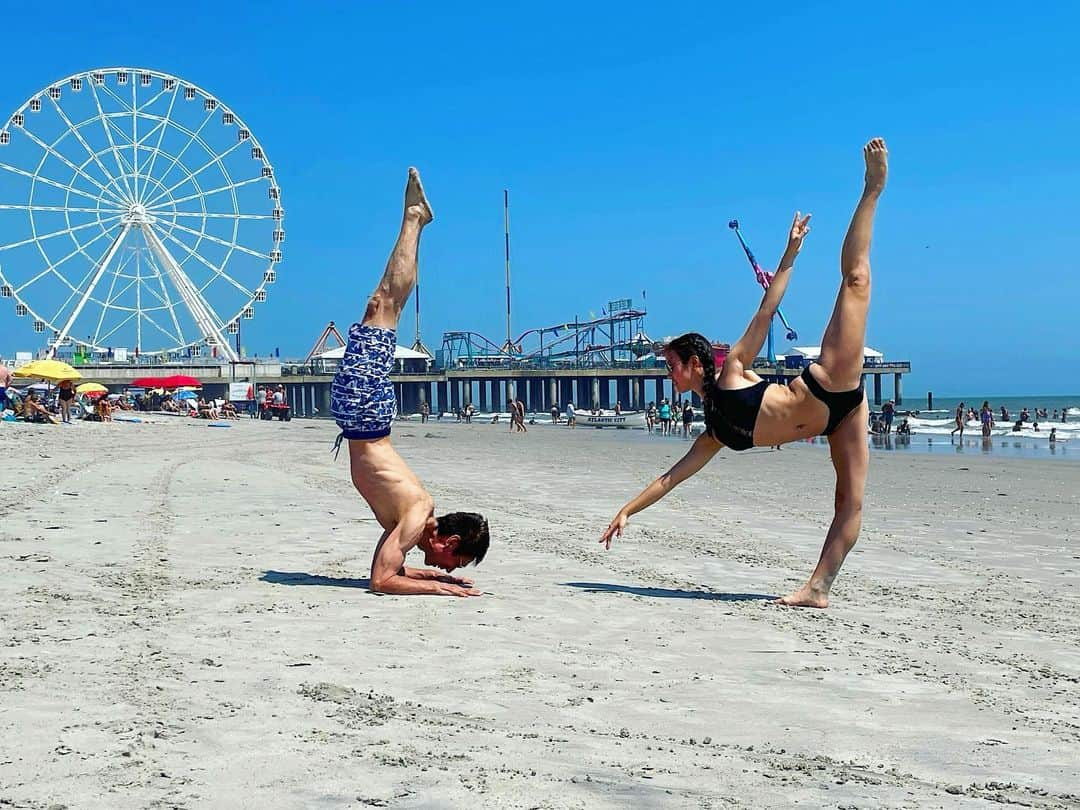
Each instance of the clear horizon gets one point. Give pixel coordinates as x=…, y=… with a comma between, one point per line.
x=627, y=138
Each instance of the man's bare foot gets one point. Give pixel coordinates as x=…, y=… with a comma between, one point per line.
x=806, y=597
x=416, y=202
x=877, y=165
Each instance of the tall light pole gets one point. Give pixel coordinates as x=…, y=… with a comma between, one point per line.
x=506, y=231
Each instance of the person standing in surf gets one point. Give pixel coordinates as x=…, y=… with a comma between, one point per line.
x=743, y=411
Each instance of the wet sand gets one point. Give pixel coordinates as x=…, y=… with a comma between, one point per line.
x=185, y=624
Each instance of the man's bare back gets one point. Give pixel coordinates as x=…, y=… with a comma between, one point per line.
x=362, y=401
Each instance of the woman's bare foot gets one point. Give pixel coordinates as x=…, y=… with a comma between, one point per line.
x=877, y=165
x=416, y=202
x=806, y=596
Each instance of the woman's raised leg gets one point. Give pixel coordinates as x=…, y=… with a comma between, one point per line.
x=841, y=362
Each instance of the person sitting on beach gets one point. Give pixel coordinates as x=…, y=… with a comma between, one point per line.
x=743, y=411
x=904, y=428
x=228, y=410
x=34, y=411
x=104, y=409
x=362, y=401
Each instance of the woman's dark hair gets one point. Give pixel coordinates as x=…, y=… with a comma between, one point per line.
x=690, y=345
x=472, y=528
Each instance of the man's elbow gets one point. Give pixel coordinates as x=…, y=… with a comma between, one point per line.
x=379, y=584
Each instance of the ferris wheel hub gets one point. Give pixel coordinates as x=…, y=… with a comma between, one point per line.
x=137, y=216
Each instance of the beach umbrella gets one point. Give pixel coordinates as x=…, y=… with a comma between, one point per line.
x=48, y=370
x=186, y=395
x=91, y=388
x=178, y=381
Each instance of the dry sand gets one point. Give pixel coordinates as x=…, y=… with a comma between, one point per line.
x=185, y=624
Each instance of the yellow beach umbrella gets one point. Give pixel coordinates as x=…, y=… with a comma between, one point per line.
x=53, y=370
x=91, y=388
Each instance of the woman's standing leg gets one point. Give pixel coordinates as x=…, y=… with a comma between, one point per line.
x=851, y=459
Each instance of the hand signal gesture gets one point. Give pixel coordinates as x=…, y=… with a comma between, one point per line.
x=800, y=227
x=614, y=529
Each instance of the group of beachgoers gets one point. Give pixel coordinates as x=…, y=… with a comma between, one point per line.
x=63, y=403
x=60, y=404
x=985, y=418
x=741, y=410
x=666, y=418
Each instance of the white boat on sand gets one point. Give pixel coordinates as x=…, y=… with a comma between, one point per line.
x=628, y=419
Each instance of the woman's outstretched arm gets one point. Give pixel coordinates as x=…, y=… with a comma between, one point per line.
x=703, y=449
x=748, y=346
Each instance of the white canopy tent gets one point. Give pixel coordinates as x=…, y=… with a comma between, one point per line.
x=400, y=353
x=814, y=352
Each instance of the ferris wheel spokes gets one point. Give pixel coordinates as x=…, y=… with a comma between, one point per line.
x=78, y=136
x=164, y=126
x=218, y=271
x=229, y=187
x=54, y=234
x=48, y=181
x=222, y=242
x=196, y=304
x=52, y=268
x=48, y=148
x=191, y=175
x=66, y=330
x=108, y=135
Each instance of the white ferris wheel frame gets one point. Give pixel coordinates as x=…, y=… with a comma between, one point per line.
x=131, y=208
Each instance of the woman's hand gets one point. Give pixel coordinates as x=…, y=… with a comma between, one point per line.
x=614, y=529
x=800, y=227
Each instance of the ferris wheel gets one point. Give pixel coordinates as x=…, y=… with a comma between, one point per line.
x=136, y=210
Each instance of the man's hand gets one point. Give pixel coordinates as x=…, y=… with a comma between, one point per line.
x=450, y=589
x=614, y=529
x=800, y=227
x=441, y=576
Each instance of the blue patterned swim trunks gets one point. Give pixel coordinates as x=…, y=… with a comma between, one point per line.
x=362, y=396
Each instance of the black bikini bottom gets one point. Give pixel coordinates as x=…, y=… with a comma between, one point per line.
x=839, y=403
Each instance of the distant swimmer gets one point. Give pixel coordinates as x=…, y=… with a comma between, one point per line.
x=744, y=411
x=363, y=403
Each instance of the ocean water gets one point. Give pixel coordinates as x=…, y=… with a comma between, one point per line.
x=946, y=406
x=930, y=429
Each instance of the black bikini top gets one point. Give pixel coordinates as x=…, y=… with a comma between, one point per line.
x=730, y=414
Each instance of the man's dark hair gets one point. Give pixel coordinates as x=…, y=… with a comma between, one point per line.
x=472, y=528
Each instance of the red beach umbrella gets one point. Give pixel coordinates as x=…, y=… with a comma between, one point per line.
x=178, y=381
x=175, y=381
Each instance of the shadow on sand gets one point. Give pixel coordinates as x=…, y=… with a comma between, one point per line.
x=300, y=578
x=667, y=593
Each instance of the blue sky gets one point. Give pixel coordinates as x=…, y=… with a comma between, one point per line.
x=628, y=135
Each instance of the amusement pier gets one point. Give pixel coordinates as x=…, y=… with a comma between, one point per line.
x=594, y=364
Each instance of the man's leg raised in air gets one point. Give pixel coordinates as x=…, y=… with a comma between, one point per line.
x=386, y=303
